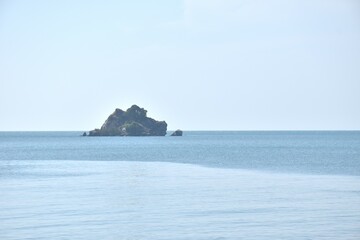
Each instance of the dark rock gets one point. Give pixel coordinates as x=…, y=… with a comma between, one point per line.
x=84, y=134
x=132, y=122
x=177, y=133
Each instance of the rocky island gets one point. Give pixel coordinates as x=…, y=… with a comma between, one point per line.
x=177, y=133
x=132, y=122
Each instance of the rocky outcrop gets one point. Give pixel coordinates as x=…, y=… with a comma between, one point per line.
x=177, y=133
x=132, y=122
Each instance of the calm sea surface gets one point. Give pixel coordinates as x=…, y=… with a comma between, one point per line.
x=204, y=185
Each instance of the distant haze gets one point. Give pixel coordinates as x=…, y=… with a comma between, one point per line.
x=197, y=64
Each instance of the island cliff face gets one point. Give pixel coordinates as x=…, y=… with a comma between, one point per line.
x=132, y=122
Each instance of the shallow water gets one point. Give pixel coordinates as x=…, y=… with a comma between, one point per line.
x=143, y=188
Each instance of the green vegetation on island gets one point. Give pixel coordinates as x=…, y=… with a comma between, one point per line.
x=132, y=122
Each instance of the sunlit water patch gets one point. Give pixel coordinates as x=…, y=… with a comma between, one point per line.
x=157, y=200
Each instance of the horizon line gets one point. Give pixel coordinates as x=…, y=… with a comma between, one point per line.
x=216, y=130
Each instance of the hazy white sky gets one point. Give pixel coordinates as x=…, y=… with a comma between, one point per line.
x=198, y=64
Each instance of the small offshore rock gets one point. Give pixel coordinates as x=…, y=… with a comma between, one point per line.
x=84, y=134
x=177, y=133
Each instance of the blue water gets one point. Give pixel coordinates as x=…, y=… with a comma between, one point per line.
x=204, y=185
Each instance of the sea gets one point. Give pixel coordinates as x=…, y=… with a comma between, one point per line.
x=204, y=185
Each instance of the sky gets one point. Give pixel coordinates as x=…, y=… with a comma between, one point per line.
x=197, y=64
